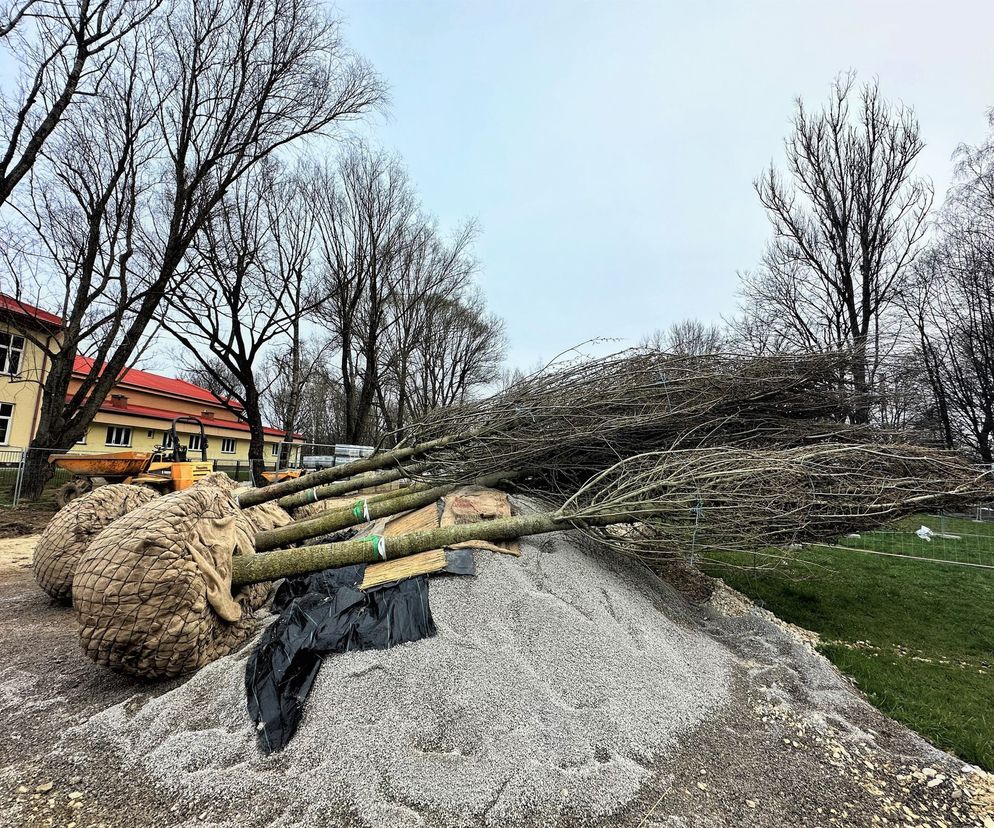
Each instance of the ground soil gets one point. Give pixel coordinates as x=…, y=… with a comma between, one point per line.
x=23, y=520
x=795, y=745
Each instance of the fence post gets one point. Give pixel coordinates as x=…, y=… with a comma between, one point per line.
x=20, y=476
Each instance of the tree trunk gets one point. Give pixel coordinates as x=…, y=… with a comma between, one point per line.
x=257, y=437
x=37, y=472
x=288, y=563
x=364, y=510
x=257, y=451
x=861, y=410
x=254, y=497
x=251, y=569
x=54, y=434
x=343, y=487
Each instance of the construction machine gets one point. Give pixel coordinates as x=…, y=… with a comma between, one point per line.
x=166, y=468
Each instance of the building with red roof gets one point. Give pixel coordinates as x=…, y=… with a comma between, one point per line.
x=137, y=414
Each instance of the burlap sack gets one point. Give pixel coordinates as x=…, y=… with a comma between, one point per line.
x=262, y=517
x=153, y=591
x=72, y=529
x=266, y=516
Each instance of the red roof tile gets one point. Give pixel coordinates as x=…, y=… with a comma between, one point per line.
x=156, y=383
x=163, y=414
x=12, y=305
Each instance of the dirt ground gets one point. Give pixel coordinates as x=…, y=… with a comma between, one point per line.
x=796, y=745
x=24, y=520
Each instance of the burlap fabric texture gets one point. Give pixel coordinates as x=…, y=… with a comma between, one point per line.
x=153, y=591
x=74, y=527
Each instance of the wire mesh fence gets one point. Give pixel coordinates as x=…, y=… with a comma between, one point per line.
x=965, y=539
x=12, y=465
x=10, y=473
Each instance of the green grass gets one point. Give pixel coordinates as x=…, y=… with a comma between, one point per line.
x=917, y=636
x=47, y=499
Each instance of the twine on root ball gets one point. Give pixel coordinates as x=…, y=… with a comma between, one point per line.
x=153, y=592
x=74, y=527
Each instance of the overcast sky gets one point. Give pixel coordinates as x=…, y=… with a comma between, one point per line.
x=608, y=149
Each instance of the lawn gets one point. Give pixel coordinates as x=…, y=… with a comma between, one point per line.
x=917, y=636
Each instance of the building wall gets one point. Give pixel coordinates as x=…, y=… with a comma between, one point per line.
x=23, y=390
x=147, y=433
x=24, y=393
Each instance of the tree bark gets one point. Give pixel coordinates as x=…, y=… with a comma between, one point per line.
x=288, y=563
x=364, y=510
x=253, y=497
x=54, y=433
x=343, y=487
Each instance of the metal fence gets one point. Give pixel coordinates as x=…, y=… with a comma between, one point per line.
x=961, y=538
x=313, y=455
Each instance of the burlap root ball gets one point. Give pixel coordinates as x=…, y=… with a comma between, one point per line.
x=74, y=527
x=153, y=592
x=267, y=516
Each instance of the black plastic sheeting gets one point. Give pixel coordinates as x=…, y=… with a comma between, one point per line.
x=321, y=614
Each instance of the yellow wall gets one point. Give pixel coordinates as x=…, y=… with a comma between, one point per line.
x=23, y=390
x=96, y=437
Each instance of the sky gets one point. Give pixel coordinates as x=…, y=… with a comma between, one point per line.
x=608, y=149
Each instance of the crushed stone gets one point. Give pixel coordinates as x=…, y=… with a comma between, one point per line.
x=555, y=681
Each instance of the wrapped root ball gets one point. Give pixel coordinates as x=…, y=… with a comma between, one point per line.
x=153, y=592
x=267, y=516
x=74, y=527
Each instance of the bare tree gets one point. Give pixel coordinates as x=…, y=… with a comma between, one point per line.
x=230, y=82
x=365, y=210
x=434, y=274
x=321, y=404
x=951, y=306
x=690, y=337
x=12, y=13
x=247, y=292
x=66, y=51
x=79, y=221
x=848, y=221
x=461, y=350
x=290, y=368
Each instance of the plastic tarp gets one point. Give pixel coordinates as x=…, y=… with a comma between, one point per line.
x=319, y=615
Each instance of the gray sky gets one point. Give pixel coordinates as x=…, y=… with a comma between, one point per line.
x=608, y=149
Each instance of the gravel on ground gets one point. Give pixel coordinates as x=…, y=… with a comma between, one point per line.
x=568, y=687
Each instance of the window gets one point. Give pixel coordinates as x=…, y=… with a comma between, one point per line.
x=11, y=351
x=167, y=439
x=6, y=415
x=82, y=440
x=118, y=436
x=274, y=449
x=195, y=442
x=227, y=445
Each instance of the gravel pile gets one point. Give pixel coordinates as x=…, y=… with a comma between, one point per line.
x=554, y=680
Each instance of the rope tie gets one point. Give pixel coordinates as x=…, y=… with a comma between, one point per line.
x=378, y=545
